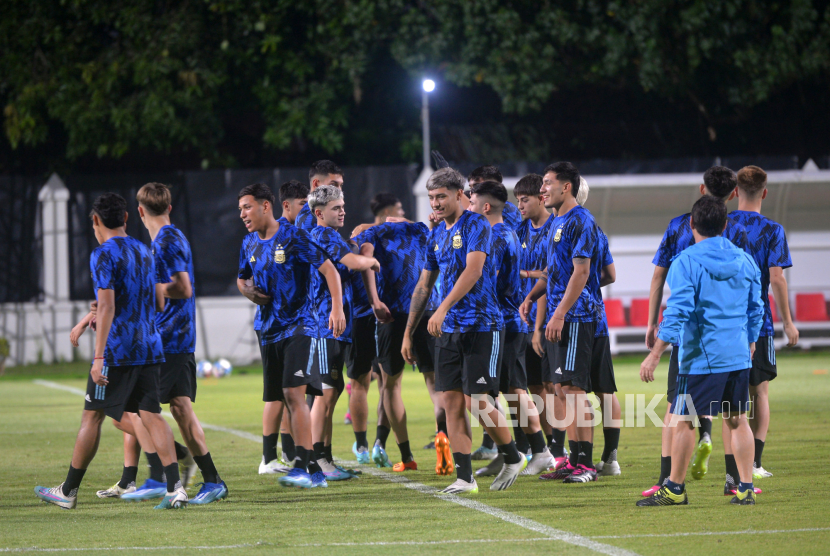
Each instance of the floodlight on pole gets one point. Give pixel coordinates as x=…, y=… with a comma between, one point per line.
x=428, y=86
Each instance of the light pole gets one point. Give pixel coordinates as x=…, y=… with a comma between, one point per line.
x=428, y=87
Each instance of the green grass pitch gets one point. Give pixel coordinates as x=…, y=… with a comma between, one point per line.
x=373, y=514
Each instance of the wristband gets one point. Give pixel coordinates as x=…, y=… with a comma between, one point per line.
x=94, y=358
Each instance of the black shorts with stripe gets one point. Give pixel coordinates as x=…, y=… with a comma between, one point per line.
x=469, y=361
x=131, y=388
x=570, y=359
x=513, y=362
x=289, y=363
x=361, y=353
x=331, y=355
x=764, y=366
x=177, y=377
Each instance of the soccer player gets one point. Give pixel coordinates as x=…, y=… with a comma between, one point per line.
x=468, y=327
x=572, y=259
x=488, y=199
x=128, y=351
x=328, y=206
x=322, y=172
x=384, y=205
x=715, y=314
x=511, y=215
x=279, y=259
x=719, y=182
x=293, y=198
x=768, y=246
x=400, y=248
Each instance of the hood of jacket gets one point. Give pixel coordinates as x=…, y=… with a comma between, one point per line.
x=718, y=256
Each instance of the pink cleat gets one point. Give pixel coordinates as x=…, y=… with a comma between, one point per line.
x=649, y=492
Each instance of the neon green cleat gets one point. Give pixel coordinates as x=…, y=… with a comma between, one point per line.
x=664, y=497
x=745, y=498
x=700, y=462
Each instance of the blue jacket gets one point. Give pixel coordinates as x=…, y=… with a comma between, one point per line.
x=715, y=307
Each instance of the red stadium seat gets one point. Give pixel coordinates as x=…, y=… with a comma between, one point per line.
x=774, y=309
x=615, y=313
x=810, y=307
x=638, y=312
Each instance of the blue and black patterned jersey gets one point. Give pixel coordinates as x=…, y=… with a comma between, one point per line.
x=125, y=265
x=283, y=267
x=177, y=323
x=604, y=259
x=507, y=256
x=679, y=236
x=573, y=235
x=335, y=247
x=400, y=248
x=305, y=219
x=511, y=216
x=447, y=249
x=768, y=246
x=534, y=255
x=360, y=299
x=435, y=296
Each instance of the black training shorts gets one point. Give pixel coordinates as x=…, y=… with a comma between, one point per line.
x=468, y=361
x=570, y=359
x=131, y=388
x=177, y=377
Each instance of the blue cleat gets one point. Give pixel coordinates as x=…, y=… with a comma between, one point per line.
x=297, y=477
x=56, y=496
x=482, y=453
x=339, y=474
x=362, y=454
x=318, y=480
x=150, y=490
x=211, y=492
x=379, y=456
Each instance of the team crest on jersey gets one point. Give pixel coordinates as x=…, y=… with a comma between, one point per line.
x=456, y=241
x=279, y=255
x=558, y=235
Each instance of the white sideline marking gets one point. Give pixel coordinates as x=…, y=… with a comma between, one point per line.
x=707, y=533
x=525, y=523
x=99, y=549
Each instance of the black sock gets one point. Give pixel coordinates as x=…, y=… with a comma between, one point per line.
x=510, y=452
x=73, y=481
x=704, y=428
x=586, y=454
x=269, y=447
x=181, y=450
x=442, y=427
x=156, y=468
x=521, y=440
x=612, y=442
x=319, y=449
x=287, y=442
x=487, y=442
x=360, y=437
x=406, y=453
x=574, y=452
x=665, y=469
x=732, y=475
x=549, y=438
x=128, y=475
x=759, y=450
x=382, y=435
x=327, y=452
x=537, y=442
x=172, y=473
x=301, y=461
x=557, y=443
x=209, y=472
x=463, y=466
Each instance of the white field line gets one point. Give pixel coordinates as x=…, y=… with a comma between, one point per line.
x=708, y=533
x=101, y=549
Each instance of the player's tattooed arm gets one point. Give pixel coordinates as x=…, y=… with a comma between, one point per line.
x=576, y=283
x=417, y=306
x=252, y=292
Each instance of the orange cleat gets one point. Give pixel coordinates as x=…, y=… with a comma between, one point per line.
x=444, y=463
x=400, y=467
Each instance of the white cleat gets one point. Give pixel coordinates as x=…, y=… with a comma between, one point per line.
x=116, y=491
x=174, y=500
x=272, y=467
x=539, y=462
x=608, y=468
x=491, y=469
x=461, y=487
x=508, y=475
x=760, y=473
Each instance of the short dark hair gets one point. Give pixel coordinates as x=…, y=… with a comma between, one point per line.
x=293, y=190
x=258, y=191
x=709, y=216
x=493, y=189
x=111, y=209
x=565, y=172
x=323, y=168
x=752, y=180
x=382, y=201
x=531, y=184
x=720, y=181
x=486, y=173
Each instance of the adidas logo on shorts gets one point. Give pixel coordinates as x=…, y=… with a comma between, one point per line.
x=481, y=381
x=87, y=398
x=558, y=370
x=299, y=373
